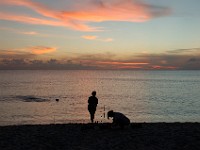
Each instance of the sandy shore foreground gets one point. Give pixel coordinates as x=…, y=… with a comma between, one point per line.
x=138, y=136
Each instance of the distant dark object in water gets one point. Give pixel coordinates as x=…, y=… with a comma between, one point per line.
x=57, y=99
x=31, y=99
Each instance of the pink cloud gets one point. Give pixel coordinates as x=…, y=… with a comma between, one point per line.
x=82, y=13
x=18, y=31
x=30, y=33
x=25, y=32
x=38, y=7
x=158, y=67
x=126, y=11
x=107, y=40
x=115, y=10
x=28, y=19
x=123, y=63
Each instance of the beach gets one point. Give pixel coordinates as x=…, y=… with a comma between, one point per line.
x=138, y=136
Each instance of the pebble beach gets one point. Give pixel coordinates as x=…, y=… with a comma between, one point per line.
x=137, y=136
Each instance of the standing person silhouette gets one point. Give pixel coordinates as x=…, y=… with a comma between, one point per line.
x=92, y=104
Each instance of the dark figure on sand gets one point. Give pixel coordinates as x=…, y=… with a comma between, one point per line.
x=119, y=119
x=92, y=104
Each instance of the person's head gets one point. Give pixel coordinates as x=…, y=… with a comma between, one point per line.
x=110, y=114
x=94, y=93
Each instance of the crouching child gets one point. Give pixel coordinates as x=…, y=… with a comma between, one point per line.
x=119, y=119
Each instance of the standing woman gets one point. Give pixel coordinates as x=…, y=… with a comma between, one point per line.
x=92, y=104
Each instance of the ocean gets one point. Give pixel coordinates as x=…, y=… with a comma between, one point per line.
x=29, y=96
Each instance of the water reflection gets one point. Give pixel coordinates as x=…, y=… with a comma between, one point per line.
x=143, y=96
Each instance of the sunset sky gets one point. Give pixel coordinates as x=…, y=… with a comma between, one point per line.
x=100, y=34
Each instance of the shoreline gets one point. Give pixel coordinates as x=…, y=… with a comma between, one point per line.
x=151, y=136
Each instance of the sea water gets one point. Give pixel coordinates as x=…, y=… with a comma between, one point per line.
x=60, y=96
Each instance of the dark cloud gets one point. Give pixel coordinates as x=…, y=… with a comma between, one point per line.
x=51, y=64
x=13, y=64
x=192, y=64
x=12, y=54
x=192, y=60
x=178, y=59
x=183, y=51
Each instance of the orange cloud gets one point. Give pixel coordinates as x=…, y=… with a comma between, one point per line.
x=85, y=12
x=92, y=37
x=38, y=50
x=89, y=37
x=123, y=63
x=103, y=64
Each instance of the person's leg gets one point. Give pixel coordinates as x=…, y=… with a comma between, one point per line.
x=92, y=112
x=92, y=117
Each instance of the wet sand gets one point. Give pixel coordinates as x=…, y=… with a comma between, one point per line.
x=138, y=136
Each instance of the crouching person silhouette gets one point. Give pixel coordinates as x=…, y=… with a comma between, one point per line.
x=92, y=104
x=119, y=119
